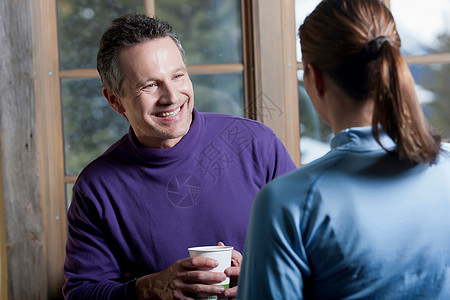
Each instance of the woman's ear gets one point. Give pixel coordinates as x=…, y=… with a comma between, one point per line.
x=114, y=100
x=317, y=80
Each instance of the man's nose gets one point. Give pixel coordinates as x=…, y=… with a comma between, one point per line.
x=168, y=93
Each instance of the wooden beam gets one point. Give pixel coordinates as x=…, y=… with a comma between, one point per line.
x=275, y=70
x=193, y=70
x=438, y=58
x=70, y=178
x=149, y=7
x=290, y=82
x=79, y=73
x=215, y=68
x=20, y=156
x=48, y=97
x=248, y=58
x=3, y=257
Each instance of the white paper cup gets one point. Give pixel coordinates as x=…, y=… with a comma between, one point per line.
x=220, y=253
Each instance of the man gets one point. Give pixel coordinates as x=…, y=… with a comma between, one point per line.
x=178, y=179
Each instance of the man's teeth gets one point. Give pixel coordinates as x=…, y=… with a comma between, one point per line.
x=169, y=114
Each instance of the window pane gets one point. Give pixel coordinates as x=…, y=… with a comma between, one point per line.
x=210, y=30
x=90, y=125
x=69, y=187
x=421, y=24
x=222, y=93
x=302, y=9
x=81, y=24
x=315, y=135
x=433, y=92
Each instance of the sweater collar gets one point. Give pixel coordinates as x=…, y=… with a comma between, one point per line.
x=180, y=150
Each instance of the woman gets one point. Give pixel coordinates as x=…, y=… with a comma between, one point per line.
x=370, y=219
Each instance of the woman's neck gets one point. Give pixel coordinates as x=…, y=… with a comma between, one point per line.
x=343, y=111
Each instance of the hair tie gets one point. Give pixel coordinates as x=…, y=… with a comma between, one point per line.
x=374, y=46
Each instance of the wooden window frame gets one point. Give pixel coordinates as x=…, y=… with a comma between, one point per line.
x=3, y=257
x=270, y=77
x=261, y=61
x=48, y=97
x=426, y=59
x=275, y=70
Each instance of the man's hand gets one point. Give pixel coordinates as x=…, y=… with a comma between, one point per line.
x=233, y=272
x=182, y=280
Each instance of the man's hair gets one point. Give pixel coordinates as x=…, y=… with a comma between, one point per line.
x=127, y=31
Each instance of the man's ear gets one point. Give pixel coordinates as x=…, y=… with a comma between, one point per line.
x=114, y=100
x=317, y=79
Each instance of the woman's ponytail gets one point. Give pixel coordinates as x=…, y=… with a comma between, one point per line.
x=397, y=108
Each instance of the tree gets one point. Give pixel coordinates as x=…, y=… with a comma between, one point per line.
x=435, y=79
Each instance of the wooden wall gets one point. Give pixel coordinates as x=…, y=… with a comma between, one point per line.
x=3, y=261
x=23, y=224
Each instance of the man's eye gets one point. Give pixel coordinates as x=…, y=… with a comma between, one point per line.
x=178, y=75
x=151, y=85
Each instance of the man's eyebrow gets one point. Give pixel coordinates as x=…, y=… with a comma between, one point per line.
x=181, y=69
x=139, y=84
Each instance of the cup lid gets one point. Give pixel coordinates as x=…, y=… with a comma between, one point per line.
x=210, y=248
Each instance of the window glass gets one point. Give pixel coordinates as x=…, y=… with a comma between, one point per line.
x=421, y=24
x=210, y=30
x=222, y=93
x=433, y=92
x=302, y=9
x=81, y=24
x=90, y=124
x=315, y=134
x=69, y=187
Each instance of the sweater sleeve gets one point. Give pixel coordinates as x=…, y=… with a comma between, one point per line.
x=278, y=158
x=91, y=270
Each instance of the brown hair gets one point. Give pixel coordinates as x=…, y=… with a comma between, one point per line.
x=127, y=31
x=356, y=43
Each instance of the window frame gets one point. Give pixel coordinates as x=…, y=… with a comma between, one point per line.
x=260, y=60
x=270, y=76
x=425, y=59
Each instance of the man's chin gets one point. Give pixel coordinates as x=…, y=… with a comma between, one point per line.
x=170, y=139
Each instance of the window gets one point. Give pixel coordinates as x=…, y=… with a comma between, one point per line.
x=258, y=76
x=424, y=31
x=231, y=58
x=315, y=134
x=214, y=56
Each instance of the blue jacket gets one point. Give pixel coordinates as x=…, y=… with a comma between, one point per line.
x=354, y=224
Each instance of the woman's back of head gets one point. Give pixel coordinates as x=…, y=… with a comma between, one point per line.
x=356, y=43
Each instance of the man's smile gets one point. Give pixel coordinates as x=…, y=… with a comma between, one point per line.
x=168, y=114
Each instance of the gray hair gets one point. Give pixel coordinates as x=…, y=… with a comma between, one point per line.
x=127, y=31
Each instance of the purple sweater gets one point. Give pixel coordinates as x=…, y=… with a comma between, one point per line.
x=136, y=210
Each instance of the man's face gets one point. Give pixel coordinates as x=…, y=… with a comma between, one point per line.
x=158, y=98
